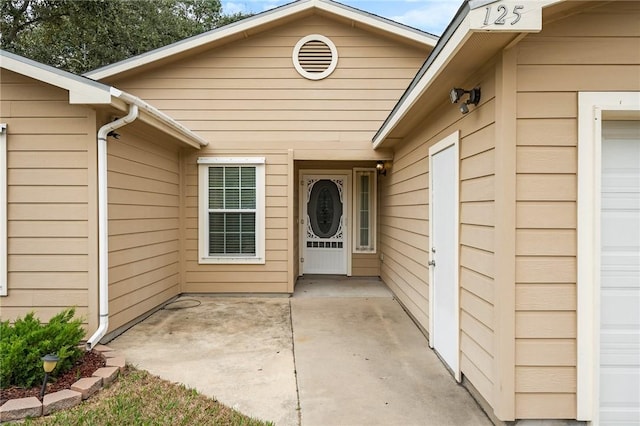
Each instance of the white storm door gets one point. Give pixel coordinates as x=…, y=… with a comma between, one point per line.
x=620, y=274
x=443, y=215
x=324, y=224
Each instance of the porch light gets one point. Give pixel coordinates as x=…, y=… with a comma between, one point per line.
x=457, y=93
x=381, y=168
x=49, y=362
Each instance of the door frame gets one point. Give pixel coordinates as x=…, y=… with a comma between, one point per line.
x=346, y=212
x=593, y=107
x=450, y=141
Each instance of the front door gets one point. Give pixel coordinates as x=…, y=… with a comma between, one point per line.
x=324, y=224
x=443, y=208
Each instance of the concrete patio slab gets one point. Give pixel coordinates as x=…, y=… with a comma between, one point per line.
x=340, y=286
x=340, y=352
x=362, y=361
x=237, y=350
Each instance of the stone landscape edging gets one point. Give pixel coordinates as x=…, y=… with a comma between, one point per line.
x=21, y=408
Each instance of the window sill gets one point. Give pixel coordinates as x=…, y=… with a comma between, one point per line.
x=231, y=260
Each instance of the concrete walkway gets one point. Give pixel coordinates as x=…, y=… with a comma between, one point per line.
x=340, y=352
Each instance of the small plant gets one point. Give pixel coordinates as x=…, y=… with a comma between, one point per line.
x=25, y=342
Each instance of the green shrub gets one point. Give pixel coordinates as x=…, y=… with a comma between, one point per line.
x=23, y=344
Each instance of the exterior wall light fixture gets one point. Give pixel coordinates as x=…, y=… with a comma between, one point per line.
x=381, y=168
x=456, y=94
x=49, y=362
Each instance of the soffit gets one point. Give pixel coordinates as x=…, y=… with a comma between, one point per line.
x=478, y=50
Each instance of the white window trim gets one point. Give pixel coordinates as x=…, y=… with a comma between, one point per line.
x=203, y=197
x=593, y=107
x=4, y=277
x=374, y=208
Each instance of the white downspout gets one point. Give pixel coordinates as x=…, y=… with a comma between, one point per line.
x=103, y=222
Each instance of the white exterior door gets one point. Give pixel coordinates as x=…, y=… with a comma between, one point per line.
x=443, y=215
x=324, y=225
x=620, y=274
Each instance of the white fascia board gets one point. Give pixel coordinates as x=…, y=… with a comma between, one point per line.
x=377, y=22
x=80, y=91
x=454, y=44
x=83, y=96
x=199, y=40
x=163, y=120
x=255, y=22
x=530, y=20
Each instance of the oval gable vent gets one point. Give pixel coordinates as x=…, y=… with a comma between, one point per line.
x=315, y=57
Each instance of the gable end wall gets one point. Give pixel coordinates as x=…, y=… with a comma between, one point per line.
x=247, y=99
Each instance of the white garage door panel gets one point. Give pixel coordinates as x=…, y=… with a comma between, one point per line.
x=620, y=275
x=624, y=318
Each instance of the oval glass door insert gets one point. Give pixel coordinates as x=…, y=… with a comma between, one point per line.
x=324, y=208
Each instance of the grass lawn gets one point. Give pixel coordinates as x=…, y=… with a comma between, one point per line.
x=138, y=398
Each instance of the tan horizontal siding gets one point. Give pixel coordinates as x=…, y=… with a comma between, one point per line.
x=403, y=231
x=550, y=132
x=477, y=234
x=546, y=379
x=535, y=77
x=595, y=50
x=404, y=225
x=577, y=50
x=249, y=85
x=546, y=405
x=365, y=265
x=44, y=313
x=271, y=277
x=553, y=352
x=50, y=156
x=249, y=91
x=475, y=375
x=144, y=227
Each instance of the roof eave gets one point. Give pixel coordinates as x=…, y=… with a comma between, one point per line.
x=84, y=91
x=255, y=22
x=378, y=22
x=468, y=20
x=158, y=119
x=81, y=89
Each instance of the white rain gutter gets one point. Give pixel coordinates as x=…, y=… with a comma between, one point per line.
x=158, y=115
x=103, y=223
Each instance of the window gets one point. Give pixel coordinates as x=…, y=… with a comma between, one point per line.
x=231, y=210
x=3, y=210
x=365, y=210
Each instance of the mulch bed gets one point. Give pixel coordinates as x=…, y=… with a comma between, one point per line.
x=84, y=367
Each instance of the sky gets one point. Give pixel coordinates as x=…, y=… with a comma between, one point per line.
x=431, y=16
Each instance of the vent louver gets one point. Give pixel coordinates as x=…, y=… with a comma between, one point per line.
x=315, y=57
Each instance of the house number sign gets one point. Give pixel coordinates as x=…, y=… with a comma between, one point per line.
x=502, y=14
x=520, y=16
